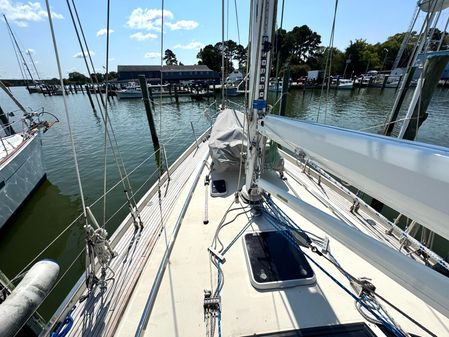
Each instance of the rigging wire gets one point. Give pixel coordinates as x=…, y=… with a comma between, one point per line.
x=426, y=48
x=94, y=81
x=17, y=56
x=278, y=53
x=106, y=115
x=66, y=110
x=222, y=54
x=237, y=20
x=278, y=221
x=328, y=66
x=16, y=51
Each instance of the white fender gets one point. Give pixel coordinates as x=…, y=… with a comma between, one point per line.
x=23, y=301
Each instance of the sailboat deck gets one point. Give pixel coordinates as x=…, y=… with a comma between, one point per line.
x=100, y=312
x=178, y=308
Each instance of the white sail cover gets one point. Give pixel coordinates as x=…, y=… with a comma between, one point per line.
x=226, y=137
x=410, y=177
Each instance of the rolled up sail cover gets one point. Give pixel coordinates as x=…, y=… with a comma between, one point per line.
x=225, y=143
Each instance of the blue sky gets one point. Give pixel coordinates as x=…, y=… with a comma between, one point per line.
x=189, y=24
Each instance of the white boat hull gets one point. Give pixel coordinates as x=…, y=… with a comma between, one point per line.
x=129, y=94
x=19, y=176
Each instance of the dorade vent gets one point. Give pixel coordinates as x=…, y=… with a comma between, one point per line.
x=274, y=262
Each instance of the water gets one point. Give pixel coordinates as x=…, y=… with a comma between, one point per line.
x=56, y=203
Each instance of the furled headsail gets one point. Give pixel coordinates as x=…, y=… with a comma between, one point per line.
x=410, y=177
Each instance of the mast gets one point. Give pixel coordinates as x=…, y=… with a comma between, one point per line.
x=18, y=48
x=34, y=65
x=263, y=14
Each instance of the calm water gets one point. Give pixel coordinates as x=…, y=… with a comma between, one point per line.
x=57, y=203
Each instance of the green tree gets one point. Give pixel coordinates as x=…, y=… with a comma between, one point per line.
x=97, y=77
x=170, y=58
x=76, y=77
x=241, y=55
x=298, y=70
x=321, y=56
x=112, y=75
x=363, y=57
x=211, y=56
x=303, y=43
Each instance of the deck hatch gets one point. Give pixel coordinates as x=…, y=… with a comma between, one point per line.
x=274, y=262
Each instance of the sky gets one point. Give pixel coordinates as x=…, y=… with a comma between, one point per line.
x=135, y=28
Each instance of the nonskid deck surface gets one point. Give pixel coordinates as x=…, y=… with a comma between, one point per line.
x=178, y=309
x=100, y=312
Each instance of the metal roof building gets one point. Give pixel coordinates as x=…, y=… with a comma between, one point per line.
x=170, y=74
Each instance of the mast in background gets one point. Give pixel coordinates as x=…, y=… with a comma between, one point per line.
x=18, y=48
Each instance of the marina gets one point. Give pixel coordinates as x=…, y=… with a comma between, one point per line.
x=173, y=200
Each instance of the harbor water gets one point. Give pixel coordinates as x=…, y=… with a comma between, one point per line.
x=56, y=203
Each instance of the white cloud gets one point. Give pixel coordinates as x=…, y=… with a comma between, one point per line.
x=139, y=36
x=30, y=51
x=192, y=45
x=103, y=31
x=152, y=55
x=80, y=55
x=148, y=19
x=183, y=24
x=22, y=13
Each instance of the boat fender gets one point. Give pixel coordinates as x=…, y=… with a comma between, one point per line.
x=23, y=301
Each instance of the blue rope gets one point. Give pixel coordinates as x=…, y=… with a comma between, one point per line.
x=374, y=311
x=63, y=328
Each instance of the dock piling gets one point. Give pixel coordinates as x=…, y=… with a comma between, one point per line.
x=90, y=98
x=146, y=101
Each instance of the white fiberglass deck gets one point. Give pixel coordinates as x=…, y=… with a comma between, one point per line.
x=8, y=145
x=100, y=312
x=178, y=309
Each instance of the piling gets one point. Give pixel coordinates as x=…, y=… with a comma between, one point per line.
x=150, y=91
x=176, y=94
x=146, y=101
x=90, y=98
x=384, y=83
x=98, y=91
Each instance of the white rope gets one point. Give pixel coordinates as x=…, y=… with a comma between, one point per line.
x=66, y=110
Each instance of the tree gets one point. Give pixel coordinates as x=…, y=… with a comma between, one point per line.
x=211, y=56
x=362, y=56
x=318, y=61
x=170, y=58
x=112, y=75
x=97, y=77
x=303, y=43
x=240, y=56
x=76, y=77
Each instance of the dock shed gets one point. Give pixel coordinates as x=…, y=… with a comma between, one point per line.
x=170, y=74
